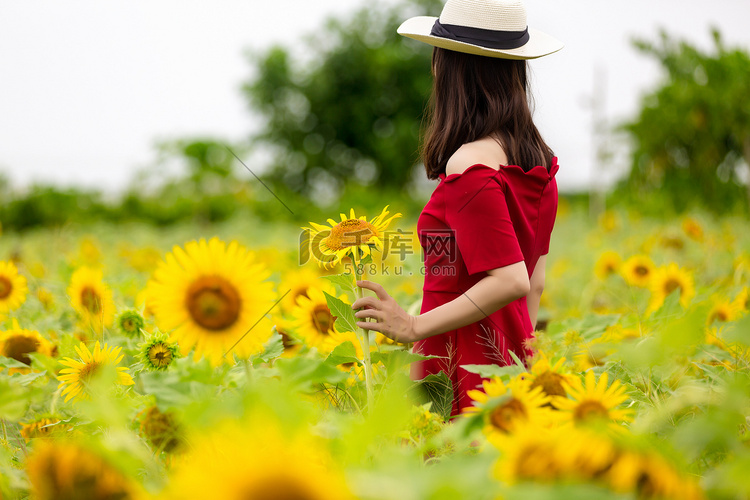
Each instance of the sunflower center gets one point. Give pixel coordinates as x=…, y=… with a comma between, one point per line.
x=278, y=488
x=671, y=285
x=213, y=302
x=322, y=319
x=88, y=371
x=641, y=270
x=589, y=410
x=5, y=287
x=299, y=292
x=91, y=300
x=719, y=315
x=286, y=340
x=161, y=429
x=128, y=325
x=19, y=346
x=350, y=233
x=159, y=355
x=503, y=416
x=551, y=383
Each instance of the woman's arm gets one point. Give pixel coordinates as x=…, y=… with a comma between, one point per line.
x=537, y=287
x=499, y=288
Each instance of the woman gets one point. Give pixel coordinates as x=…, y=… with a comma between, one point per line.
x=485, y=231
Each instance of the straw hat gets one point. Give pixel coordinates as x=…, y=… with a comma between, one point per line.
x=493, y=28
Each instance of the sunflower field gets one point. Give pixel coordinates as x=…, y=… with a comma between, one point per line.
x=224, y=362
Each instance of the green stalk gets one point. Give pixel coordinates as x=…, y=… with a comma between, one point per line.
x=364, y=340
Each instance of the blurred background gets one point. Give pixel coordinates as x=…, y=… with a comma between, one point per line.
x=133, y=110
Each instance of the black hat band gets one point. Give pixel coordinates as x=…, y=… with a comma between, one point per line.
x=489, y=39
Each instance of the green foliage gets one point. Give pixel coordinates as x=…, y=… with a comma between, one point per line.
x=437, y=389
x=354, y=112
x=345, y=320
x=693, y=132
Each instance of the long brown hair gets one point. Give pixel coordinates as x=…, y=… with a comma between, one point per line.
x=474, y=97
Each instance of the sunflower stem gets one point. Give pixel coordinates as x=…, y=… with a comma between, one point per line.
x=364, y=337
x=5, y=432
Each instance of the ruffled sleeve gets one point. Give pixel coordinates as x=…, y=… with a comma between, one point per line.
x=477, y=212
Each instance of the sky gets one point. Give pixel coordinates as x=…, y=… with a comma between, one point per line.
x=88, y=88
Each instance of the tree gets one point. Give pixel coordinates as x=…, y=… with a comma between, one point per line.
x=693, y=132
x=354, y=112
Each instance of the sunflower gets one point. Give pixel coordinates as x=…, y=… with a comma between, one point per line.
x=423, y=423
x=89, y=253
x=637, y=270
x=592, y=401
x=607, y=264
x=297, y=282
x=357, y=370
x=672, y=241
x=381, y=339
x=313, y=320
x=551, y=455
x=79, y=372
x=548, y=376
x=608, y=221
x=130, y=323
x=527, y=455
x=63, y=469
x=692, y=229
x=17, y=343
x=145, y=303
x=91, y=298
x=45, y=298
x=256, y=459
x=618, y=333
x=162, y=429
x=666, y=280
x=591, y=354
x=572, y=338
x=289, y=341
x=353, y=236
x=723, y=311
x=43, y=427
x=742, y=300
x=215, y=297
x=650, y=476
x=143, y=260
x=12, y=287
x=157, y=353
x=507, y=406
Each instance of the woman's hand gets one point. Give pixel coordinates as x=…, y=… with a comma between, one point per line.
x=390, y=319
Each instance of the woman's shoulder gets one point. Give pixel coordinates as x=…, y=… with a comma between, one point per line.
x=485, y=151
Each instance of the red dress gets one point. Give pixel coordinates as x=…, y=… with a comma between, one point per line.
x=475, y=221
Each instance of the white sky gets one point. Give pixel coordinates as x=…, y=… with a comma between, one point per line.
x=87, y=87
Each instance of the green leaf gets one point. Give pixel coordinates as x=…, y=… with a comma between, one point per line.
x=739, y=331
x=343, y=353
x=517, y=359
x=345, y=320
x=168, y=389
x=11, y=363
x=437, y=389
x=489, y=371
x=271, y=350
x=305, y=372
x=27, y=378
x=344, y=281
x=14, y=399
x=395, y=359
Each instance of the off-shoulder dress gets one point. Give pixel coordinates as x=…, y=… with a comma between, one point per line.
x=482, y=219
